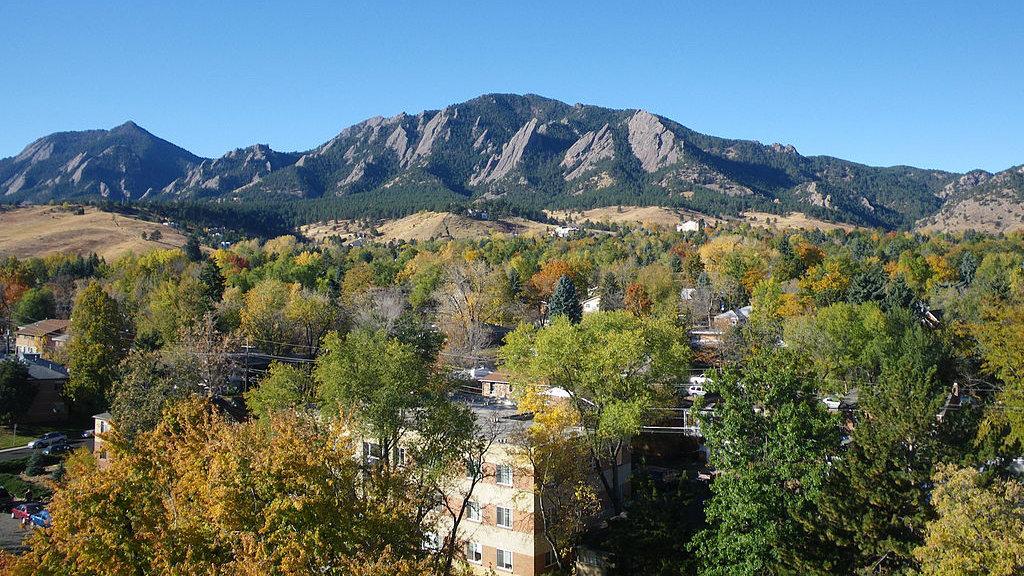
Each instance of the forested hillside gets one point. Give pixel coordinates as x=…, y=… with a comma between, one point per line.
x=531, y=152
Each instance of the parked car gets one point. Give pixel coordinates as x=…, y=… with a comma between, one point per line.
x=26, y=510
x=832, y=402
x=57, y=449
x=47, y=440
x=41, y=519
x=88, y=433
x=6, y=499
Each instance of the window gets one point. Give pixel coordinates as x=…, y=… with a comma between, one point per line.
x=504, y=517
x=549, y=558
x=504, y=475
x=371, y=452
x=431, y=541
x=473, y=511
x=474, y=552
x=472, y=469
x=401, y=458
x=504, y=559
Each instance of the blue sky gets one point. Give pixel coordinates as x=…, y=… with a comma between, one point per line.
x=930, y=84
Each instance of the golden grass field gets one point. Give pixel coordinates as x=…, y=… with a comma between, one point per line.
x=40, y=230
x=794, y=220
x=423, y=226
x=652, y=215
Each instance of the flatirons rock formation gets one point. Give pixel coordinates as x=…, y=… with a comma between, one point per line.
x=527, y=149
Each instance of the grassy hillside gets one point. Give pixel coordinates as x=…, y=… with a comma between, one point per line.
x=40, y=230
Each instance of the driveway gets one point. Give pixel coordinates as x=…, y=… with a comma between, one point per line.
x=12, y=533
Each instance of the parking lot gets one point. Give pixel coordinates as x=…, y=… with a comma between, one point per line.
x=12, y=533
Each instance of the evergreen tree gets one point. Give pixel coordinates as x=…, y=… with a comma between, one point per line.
x=192, y=250
x=213, y=281
x=565, y=302
x=611, y=293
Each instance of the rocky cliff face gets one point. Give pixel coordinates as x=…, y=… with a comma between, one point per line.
x=123, y=163
x=529, y=149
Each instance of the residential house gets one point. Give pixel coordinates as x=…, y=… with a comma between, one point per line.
x=565, y=231
x=49, y=379
x=592, y=304
x=42, y=337
x=101, y=424
x=731, y=318
x=688, y=226
x=496, y=385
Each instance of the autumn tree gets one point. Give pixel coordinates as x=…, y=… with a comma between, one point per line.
x=471, y=297
x=637, y=302
x=284, y=497
x=978, y=529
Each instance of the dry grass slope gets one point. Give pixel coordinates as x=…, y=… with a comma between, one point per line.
x=40, y=230
x=422, y=226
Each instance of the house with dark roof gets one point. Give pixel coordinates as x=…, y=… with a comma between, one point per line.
x=49, y=379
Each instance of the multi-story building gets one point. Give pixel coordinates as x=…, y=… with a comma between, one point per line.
x=501, y=529
x=41, y=337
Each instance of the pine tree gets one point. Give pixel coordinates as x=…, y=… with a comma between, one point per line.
x=192, y=250
x=565, y=302
x=213, y=281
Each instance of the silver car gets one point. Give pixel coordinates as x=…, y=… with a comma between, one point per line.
x=48, y=440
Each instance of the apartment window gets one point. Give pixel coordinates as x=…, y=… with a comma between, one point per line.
x=371, y=452
x=400, y=459
x=431, y=541
x=504, y=475
x=504, y=560
x=474, y=552
x=473, y=511
x=473, y=469
x=504, y=517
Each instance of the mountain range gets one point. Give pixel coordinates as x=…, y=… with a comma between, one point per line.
x=523, y=149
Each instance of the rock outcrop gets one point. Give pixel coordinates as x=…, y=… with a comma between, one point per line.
x=653, y=144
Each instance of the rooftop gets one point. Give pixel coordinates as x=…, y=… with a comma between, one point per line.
x=43, y=327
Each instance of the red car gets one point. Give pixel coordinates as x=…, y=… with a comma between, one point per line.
x=25, y=511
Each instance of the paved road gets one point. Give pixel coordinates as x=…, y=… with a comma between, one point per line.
x=25, y=451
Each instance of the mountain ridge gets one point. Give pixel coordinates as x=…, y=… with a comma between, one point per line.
x=523, y=149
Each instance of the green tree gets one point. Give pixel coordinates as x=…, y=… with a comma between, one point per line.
x=212, y=280
x=875, y=507
x=97, y=346
x=192, y=250
x=565, y=302
x=16, y=390
x=35, y=304
x=141, y=394
x=770, y=437
x=285, y=387
x=614, y=366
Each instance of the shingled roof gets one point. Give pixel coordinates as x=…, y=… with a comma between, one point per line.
x=44, y=327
